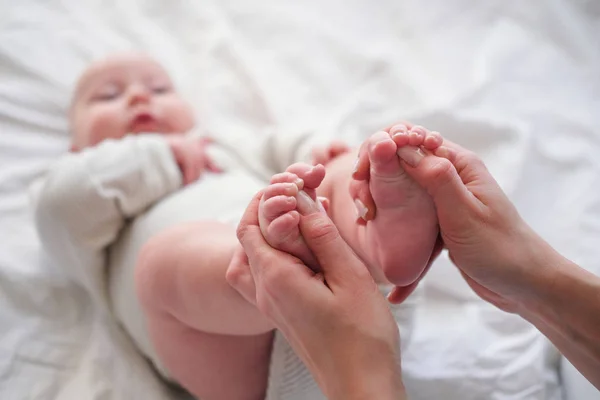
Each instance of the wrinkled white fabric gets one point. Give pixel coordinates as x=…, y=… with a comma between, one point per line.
x=517, y=82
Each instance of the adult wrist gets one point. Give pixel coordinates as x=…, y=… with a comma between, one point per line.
x=382, y=381
x=533, y=267
x=557, y=287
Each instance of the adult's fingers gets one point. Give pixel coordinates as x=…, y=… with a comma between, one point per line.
x=239, y=276
x=246, y=230
x=399, y=294
x=363, y=201
x=338, y=262
x=362, y=164
x=469, y=166
x=276, y=274
x=442, y=181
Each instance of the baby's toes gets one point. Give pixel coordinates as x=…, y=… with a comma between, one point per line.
x=284, y=229
x=382, y=154
x=287, y=177
x=274, y=207
x=280, y=189
x=433, y=140
x=399, y=134
x=416, y=136
x=311, y=175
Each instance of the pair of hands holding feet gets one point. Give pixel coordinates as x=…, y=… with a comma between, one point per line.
x=338, y=322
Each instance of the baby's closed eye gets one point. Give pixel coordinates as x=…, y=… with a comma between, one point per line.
x=160, y=87
x=107, y=93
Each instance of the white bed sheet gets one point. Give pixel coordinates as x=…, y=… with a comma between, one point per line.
x=518, y=82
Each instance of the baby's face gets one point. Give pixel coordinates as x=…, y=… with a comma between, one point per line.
x=126, y=94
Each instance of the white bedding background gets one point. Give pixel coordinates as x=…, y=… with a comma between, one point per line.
x=516, y=81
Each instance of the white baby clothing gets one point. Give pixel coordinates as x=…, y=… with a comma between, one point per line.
x=97, y=208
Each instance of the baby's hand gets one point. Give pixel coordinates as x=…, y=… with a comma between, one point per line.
x=190, y=155
x=324, y=154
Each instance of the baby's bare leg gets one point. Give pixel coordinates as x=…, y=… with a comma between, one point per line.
x=207, y=336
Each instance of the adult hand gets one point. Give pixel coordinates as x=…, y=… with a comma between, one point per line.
x=485, y=236
x=190, y=155
x=336, y=320
x=501, y=257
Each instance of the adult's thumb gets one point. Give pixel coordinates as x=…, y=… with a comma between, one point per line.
x=440, y=178
x=335, y=257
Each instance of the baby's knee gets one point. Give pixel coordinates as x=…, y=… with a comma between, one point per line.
x=188, y=257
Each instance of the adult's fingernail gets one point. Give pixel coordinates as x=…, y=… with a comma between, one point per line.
x=355, y=168
x=320, y=201
x=361, y=209
x=300, y=183
x=411, y=155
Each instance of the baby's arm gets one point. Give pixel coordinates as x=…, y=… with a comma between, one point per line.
x=87, y=197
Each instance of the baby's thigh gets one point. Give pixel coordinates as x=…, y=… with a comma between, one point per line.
x=182, y=272
x=201, y=329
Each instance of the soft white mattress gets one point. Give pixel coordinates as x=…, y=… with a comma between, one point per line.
x=518, y=82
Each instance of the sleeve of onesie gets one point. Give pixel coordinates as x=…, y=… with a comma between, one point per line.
x=87, y=197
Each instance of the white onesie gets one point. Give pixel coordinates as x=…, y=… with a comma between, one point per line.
x=96, y=209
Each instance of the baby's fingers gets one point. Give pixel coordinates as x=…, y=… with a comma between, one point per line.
x=211, y=166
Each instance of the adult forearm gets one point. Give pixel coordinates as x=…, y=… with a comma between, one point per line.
x=566, y=308
x=585, y=363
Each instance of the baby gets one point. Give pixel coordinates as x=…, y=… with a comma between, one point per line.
x=130, y=159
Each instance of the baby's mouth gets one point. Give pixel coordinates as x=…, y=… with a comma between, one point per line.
x=143, y=122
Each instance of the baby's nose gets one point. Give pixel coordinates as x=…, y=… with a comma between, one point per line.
x=139, y=94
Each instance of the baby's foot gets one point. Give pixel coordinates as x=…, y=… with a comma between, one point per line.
x=401, y=237
x=283, y=201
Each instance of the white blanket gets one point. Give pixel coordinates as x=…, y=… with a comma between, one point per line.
x=517, y=82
